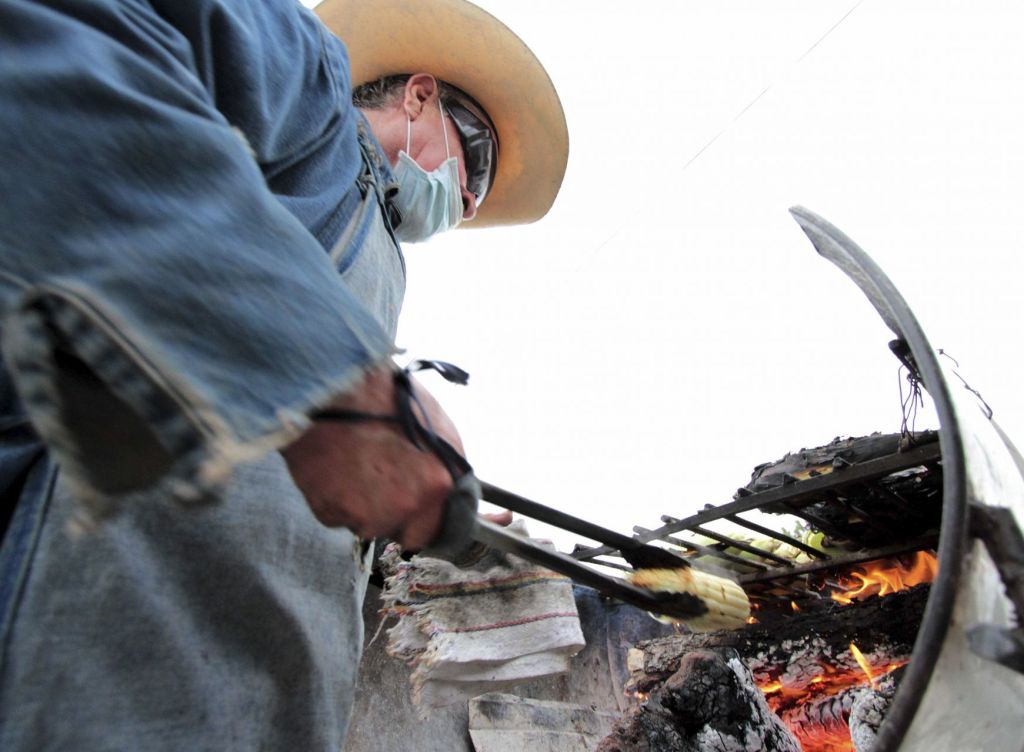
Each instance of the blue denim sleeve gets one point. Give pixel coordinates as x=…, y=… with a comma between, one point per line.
x=164, y=315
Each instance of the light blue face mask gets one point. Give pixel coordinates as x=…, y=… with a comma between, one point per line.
x=429, y=202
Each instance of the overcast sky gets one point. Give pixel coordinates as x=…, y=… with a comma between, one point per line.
x=668, y=326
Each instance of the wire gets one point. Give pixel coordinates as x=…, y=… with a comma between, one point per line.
x=985, y=406
x=755, y=100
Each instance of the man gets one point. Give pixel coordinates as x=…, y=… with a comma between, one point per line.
x=197, y=233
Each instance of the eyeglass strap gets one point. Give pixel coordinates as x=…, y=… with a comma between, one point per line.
x=423, y=437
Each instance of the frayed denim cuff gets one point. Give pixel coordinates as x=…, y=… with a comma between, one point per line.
x=120, y=419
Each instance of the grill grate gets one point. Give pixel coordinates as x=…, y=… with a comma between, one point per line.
x=874, y=508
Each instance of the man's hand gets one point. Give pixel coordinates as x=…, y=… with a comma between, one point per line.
x=367, y=476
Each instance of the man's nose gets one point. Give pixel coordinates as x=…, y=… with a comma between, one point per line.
x=468, y=205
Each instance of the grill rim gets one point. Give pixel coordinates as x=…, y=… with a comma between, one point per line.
x=832, y=244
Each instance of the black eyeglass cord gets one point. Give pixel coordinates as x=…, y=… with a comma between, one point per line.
x=423, y=437
x=454, y=540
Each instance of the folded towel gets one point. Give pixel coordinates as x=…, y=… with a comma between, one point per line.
x=468, y=630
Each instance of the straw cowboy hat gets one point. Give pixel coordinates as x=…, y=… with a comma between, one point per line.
x=459, y=43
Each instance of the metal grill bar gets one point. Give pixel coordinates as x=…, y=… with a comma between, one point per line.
x=793, y=495
x=814, y=520
x=915, y=544
x=707, y=550
x=742, y=546
x=612, y=565
x=753, y=526
x=868, y=519
x=898, y=501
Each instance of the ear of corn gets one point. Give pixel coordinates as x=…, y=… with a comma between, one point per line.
x=728, y=606
x=804, y=534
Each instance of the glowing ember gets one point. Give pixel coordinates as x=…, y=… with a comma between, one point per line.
x=635, y=694
x=787, y=701
x=864, y=665
x=751, y=620
x=887, y=576
x=796, y=608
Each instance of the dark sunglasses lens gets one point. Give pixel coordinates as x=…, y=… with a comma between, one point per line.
x=479, y=148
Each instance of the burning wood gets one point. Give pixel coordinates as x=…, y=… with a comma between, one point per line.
x=710, y=704
x=821, y=723
x=822, y=671
x=831, y=623
x=886, y=577
x=869, y=709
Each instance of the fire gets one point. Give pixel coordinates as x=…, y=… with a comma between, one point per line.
x=635, y=694
x=887, y=576
x=864, y=665
x=832, y=680
x=788, y=698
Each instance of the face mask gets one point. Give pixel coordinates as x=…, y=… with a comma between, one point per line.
x=429, y=202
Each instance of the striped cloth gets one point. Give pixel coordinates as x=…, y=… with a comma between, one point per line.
x=465, y=631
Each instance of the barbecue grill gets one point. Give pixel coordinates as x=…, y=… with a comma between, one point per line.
x=959, y=491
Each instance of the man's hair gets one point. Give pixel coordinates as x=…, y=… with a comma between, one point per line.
x=375, y=95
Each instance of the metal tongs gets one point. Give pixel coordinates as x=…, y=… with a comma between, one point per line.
x=638, y=555
x=462, y=526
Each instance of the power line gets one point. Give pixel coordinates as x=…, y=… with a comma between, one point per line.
x=754, y=101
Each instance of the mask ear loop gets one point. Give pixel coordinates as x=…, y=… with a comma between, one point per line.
x=458, y=209
x=444, y=130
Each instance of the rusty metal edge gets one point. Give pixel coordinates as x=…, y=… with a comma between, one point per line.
x=832, y=244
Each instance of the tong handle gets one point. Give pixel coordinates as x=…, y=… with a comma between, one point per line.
x=639, y=555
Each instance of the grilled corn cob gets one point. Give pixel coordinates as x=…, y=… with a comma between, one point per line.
x=728, y=606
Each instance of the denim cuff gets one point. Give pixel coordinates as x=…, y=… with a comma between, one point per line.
x=122, y=416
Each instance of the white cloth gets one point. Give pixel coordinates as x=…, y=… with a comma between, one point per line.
x=499, y=622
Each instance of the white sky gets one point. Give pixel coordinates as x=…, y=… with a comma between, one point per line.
x=668, y=326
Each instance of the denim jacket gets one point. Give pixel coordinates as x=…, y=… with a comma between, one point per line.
x=172, y=175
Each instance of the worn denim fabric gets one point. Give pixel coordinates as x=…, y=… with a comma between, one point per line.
x=168, y=171
x=172, y=304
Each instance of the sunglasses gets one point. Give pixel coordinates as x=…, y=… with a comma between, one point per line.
x=479, y=147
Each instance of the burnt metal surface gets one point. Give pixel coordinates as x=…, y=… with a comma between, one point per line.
x=835, y=246
x=792, y=496
x=997, y=528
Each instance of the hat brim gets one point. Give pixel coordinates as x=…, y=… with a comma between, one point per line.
x=464, y=45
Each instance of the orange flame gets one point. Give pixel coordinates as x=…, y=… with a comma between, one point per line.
x=887, y=576
x=796, y=608
x=864, y=665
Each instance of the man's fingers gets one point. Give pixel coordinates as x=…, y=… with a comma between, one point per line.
x=368, y=476
x=503, y=518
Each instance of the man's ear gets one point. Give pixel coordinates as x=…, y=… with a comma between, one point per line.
x=420, y=90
